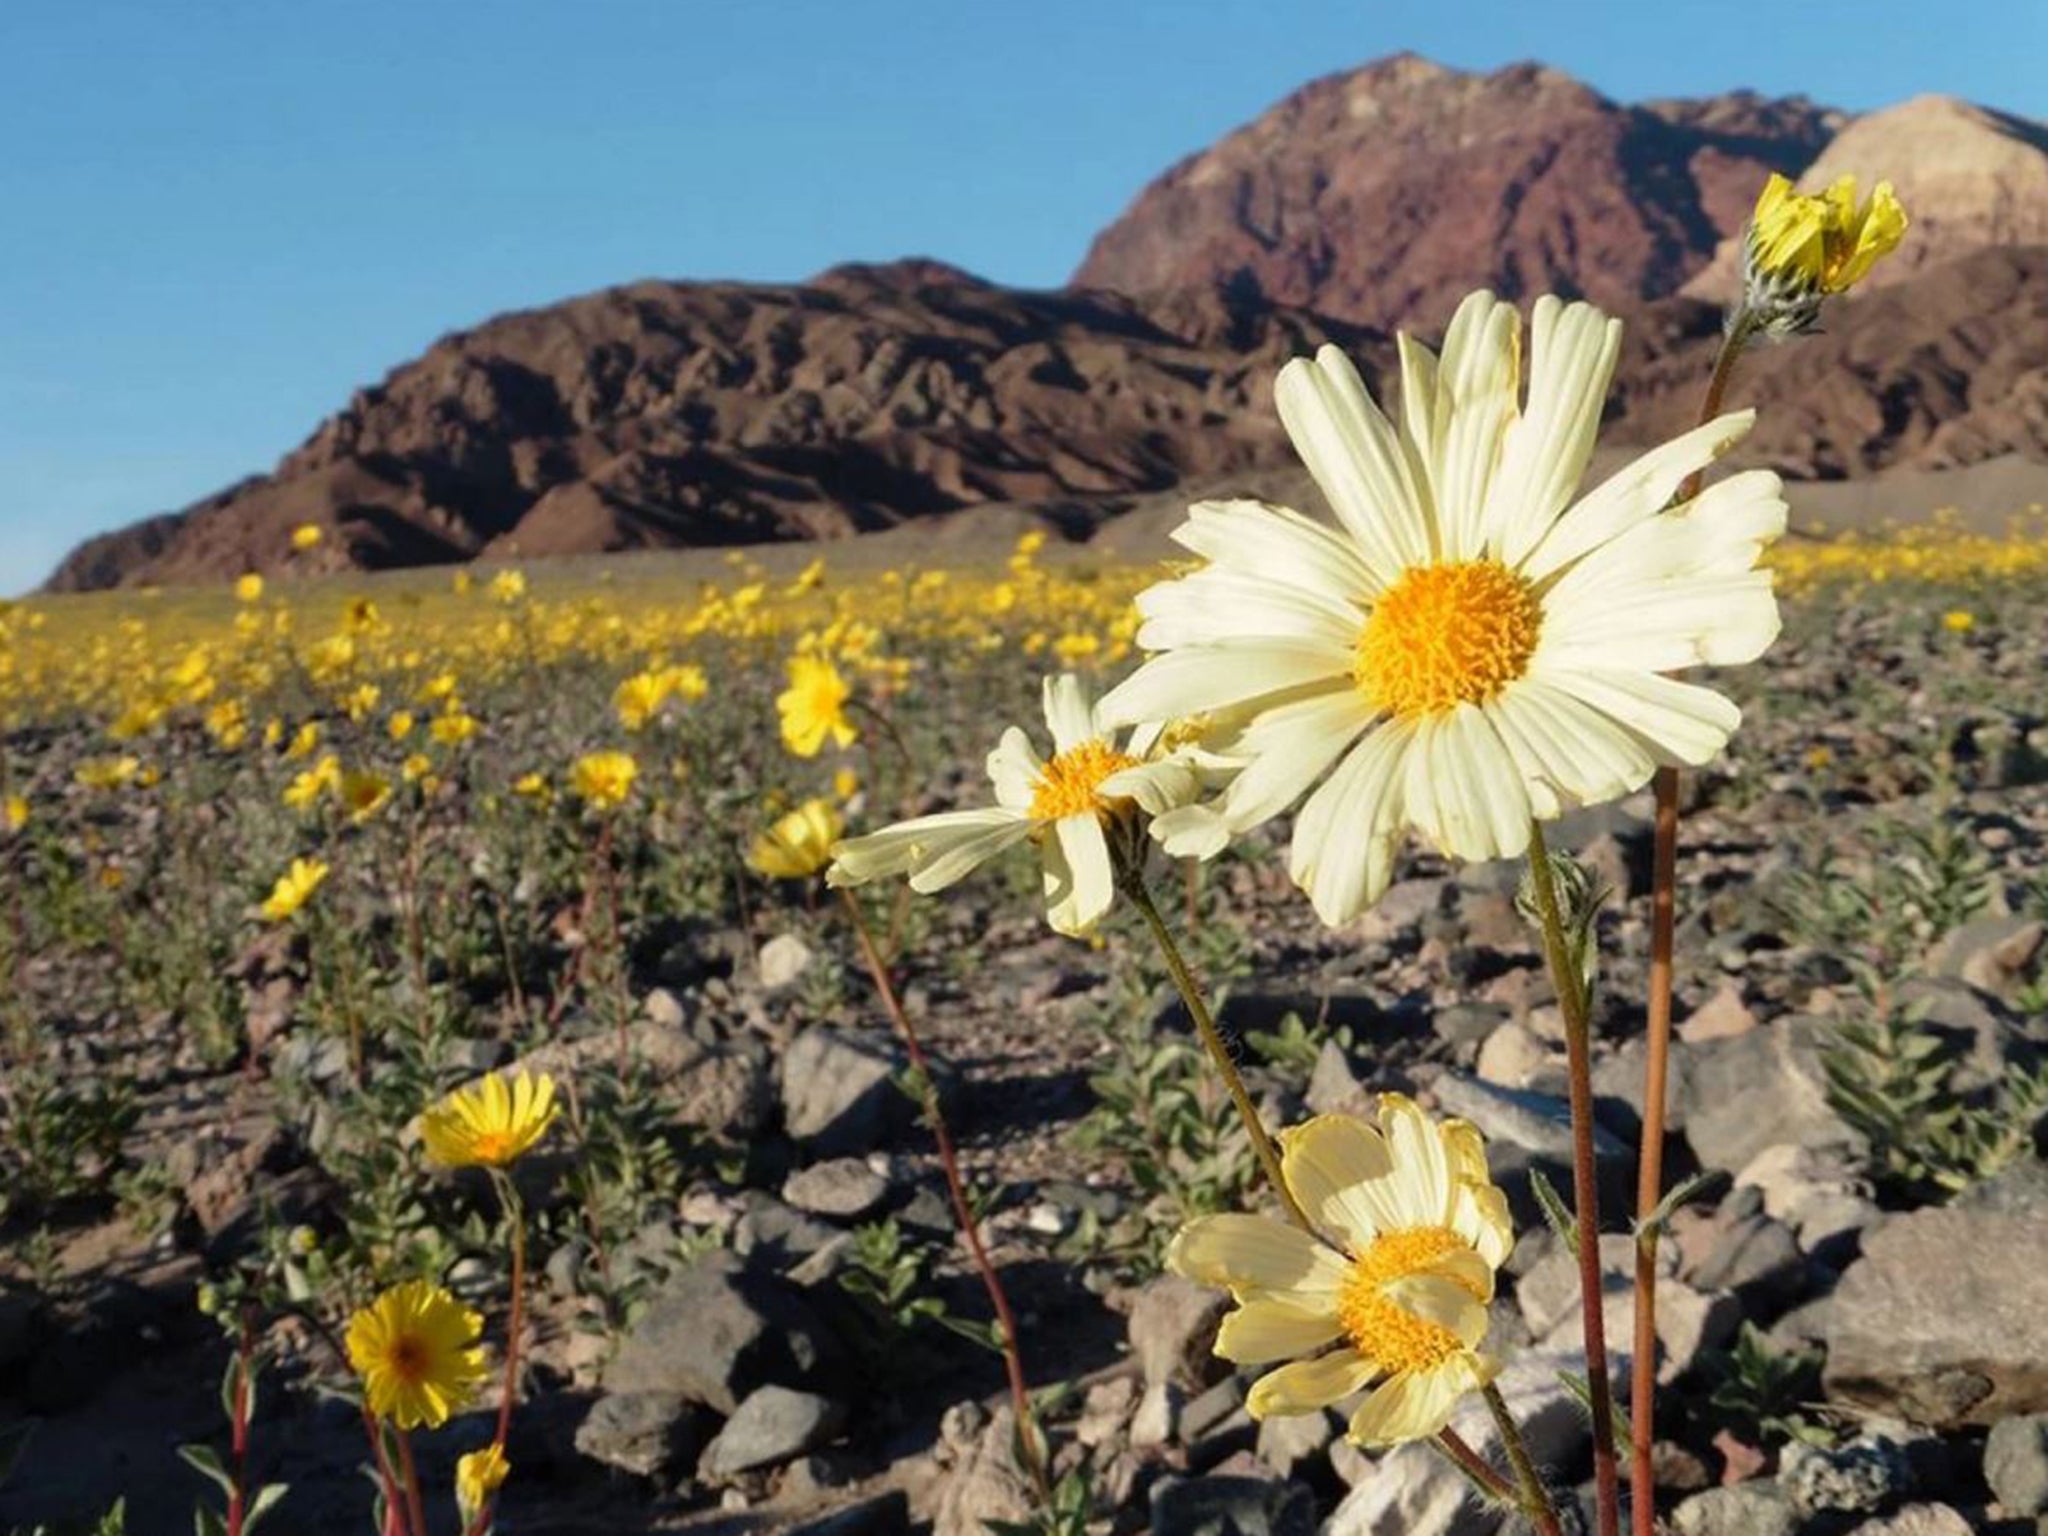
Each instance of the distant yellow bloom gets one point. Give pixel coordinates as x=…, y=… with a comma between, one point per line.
x=14, y=812
x=294, y=888
x=400, y=724
x=799, y=845
x=305, y=536
x=1959, y=621
x=138, y=719
x=306, y=789
x=478, y=1475
x=249, y=588
x=845, y=783
x=416, y=1349
x=107, y=772
x=227, y=723
x=490, y=1123
x=1826, y=242
x=360, y=615
x=638, y=699
x=1819, y=757
x=461, y=581
x=508, y=586
x=809, y=579
x=416, y=768
x=813, y=707
x=603, y=780
x=531, y=786
x=453, y=728
x=363, y=793
x=304, y=740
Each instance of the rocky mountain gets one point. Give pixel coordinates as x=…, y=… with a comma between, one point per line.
x=1386, y=193
x=677, y=414
x=664, y=414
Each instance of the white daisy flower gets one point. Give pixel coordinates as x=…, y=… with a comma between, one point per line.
x=1410, y=1230
x=1070, y=804
x=1471, y=646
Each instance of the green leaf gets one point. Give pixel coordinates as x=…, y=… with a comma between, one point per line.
x=266, y=1499
x=1555, y=1211
x=204, y=1459
x=1624, y=1439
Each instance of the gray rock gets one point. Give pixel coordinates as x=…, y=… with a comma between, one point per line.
x=1992, y=954
x=844, y=1188
x=838, y=1094
x=1468, y=1023
x=1917, y=1520
x=1749, y=1091
x=1173, y=1331
x=1618, y=1088
x=771, y=1425
x=721, y=1089
x=886, y=1514
x=784, y=959
x=1859, y=1476
x=1511, y=1056
x=1944, y=1318
x=2016, y=1463
x=1537, y=1122
x=1758, y=1259
x=1413, y=1491
x=717, y=1331
x=985, y=1484
x=1548, y=1289
x=1747, y=1509
x=1289, y=1443
x=1232, y=1506
x=772, y=1234
x=1333, y=1088
x=664, y=1009
x=1688, y=1321
x=650, y=1434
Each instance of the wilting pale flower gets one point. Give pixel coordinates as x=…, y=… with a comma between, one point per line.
x=1411, y=1230
x=1069, y=804
x=813, y=707
x=294, y=888
x=1472, y=646
x=478, y=1475
x=800, y=843
x=490, y=1123
x=1800, y=248
x=603, y=780
x=415, y=1347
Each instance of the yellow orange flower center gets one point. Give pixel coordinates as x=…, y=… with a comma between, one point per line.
x=492, y=1146
x=1379, y=1327
x=1447, y=634
x=407, y=1359
x=1068, y=784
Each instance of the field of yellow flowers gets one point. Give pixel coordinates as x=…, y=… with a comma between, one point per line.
x=283, y=868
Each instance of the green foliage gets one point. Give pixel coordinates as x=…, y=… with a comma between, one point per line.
x=890, y=1277
x=1762, y=1394
x=59, y=1141
x=1294, y=1046
x=1073, y=1501
x=629, y=1164
x=1892, y=1079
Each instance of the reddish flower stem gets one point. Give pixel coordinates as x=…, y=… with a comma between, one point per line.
x=238, y=1443
x=415, y=1502
x=1029, y=1436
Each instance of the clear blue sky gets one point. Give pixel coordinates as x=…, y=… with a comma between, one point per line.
x=217, y=219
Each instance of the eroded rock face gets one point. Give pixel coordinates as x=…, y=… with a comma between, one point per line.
x=1944, y=1319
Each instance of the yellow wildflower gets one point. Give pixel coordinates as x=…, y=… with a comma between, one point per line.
x=813, y=707
x=294, y=888
x=1959, y=621
x=107, y=772
x=490, y=1123
x=305, y=536
x=508, y=586
x=1826, y=241
x=603, y=780
x=249, y=588
x=400, y=725
x=416, y=1349
x=363, y=793
x=478, y=1475
x=799, y=844
x=14, y=812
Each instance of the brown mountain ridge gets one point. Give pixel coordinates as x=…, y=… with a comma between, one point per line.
x=704, y=413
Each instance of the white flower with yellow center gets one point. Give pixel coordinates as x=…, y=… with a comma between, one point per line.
x=1399, y=1281
x=1070, y=804
x=1472, y=646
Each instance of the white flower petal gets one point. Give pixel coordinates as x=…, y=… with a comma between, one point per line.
x=1266, y=1328
x=1288, y=747
x=1344, y=842
x=1633, y=493
x=1415, y=1405
x=1461, y=789
x=1014, y=767
x=1192, y=832
x=1477, y=381
x=1195, y=679
x=926, y=841
x=1067, y=713
x=1308, y=1386
x=1156, y=786
x=1355, y=458
x=1419, y=1183
x=1221, y=603
x=1572, y=349
x=1080, y=886
x=1439, y=1299
x=1567, y=752
x=1256, y=1253
x=1681, y=725
x=1256, y=538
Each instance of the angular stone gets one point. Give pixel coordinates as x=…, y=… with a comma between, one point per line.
x=1511, y=1056
x=1333, y=1088
x=784, y=959
x=1917, y=1520
x=2016, y=1463
x=1720, y=1017
x=1173, y=1331
x=985, y=1484
x=771, y=1425
x=1756, y=1258
x=1747, y=1509
x=649, y=1434
x=843, y=1188
x=839, y=1097
x=1860, y=1475
x=1944, y=1318
x=1747, y=1092
x=717, y=1331
x=721, y=1089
